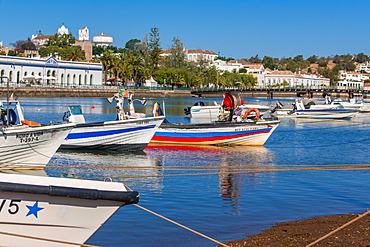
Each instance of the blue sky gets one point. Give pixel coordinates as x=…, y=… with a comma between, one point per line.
x=232, y=28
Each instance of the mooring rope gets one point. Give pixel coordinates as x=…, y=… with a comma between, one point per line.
x=338, y=229
x=46, y=239
x=178, y=224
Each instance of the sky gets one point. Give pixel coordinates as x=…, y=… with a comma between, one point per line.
x=231, y=28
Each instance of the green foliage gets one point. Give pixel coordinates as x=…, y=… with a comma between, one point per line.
x=312, y=59
x=11, y=53
x=132, y=44
x=177, y=57
x=61, y=40
x=154, y=47
x=97, y=50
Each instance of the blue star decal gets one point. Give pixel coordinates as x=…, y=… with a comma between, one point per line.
x=34, y=209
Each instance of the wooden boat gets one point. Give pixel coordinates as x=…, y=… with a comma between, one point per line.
x=128, y=132
x=233, y=128
x=28, y=143
x=219, y=133
x=49, y=211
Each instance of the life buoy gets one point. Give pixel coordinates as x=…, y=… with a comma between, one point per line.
x=247, y=112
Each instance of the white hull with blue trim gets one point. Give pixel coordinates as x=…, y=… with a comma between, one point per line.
x=326, y=113
x=48, y=211
x=130, y=134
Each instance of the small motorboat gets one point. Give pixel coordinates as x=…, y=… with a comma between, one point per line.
x=131, y=131
x=50, y=211
x=337, y=112
x=28, y=143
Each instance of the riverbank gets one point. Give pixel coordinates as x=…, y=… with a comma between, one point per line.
x=88, y=92
x=306, y=232
x=156, y=93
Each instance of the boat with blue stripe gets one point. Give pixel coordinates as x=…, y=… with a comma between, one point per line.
x=131, y=131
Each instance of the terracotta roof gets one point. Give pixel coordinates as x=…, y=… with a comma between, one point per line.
x=200, y=51
x=43, y=36
x=285, y=72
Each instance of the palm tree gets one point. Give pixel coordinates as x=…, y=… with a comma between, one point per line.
x=135, y=64
x=115, y=66
x=106, y=59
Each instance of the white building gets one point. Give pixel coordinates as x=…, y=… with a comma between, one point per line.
x=290, y=79
x=364, y=67
x=226, y=66
x=196, y=55
x=50, y=71
x=351, y=79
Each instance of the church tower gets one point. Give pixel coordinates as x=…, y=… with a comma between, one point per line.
x=84, y=42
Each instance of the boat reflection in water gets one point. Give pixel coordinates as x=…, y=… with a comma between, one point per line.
x=135, y=168
x=233, y=165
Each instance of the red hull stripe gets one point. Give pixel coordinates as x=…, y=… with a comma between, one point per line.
x=203, y=139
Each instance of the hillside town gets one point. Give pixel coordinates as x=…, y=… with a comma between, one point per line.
x=33, y=63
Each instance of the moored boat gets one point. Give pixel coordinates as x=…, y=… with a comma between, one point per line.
x=338, y=112
x=48, y=211
x=28, y=143
x=234, y=128
x=253, y=133
x=128, y=132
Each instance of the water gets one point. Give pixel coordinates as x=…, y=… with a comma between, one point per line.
x=250, y=188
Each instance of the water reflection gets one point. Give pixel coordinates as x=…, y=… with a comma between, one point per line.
x=236, y=167
x=135, y=168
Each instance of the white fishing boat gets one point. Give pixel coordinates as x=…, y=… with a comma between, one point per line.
x=49, y=211
x=200, y=110
x=339, y=112
x=28, y=143
x=131, y=131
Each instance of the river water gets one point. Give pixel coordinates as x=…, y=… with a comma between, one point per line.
x=306, y=169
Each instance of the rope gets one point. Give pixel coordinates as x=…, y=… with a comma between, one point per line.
x=187, y=228
x=45, y=239
x=339, y=228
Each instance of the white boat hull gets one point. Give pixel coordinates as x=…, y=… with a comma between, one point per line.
x=46, y=211
x=31, y=146
x=132, y=134
x=326, y=113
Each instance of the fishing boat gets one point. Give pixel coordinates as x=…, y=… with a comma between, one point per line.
x=28, y=143
x=233, y=128
x=130, y=131
x=338, y=112
x=50, y=211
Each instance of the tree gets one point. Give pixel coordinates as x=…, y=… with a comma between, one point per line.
x=61, y=40
x=312, y=59
x=177, y=57
x=132, y=44
x=105, y=59
x=98, y=50
x=28, y=45
x=154, y=47
x=74, y=53
x=361, y=58
x=18, y=44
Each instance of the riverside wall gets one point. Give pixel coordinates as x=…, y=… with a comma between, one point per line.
x=25, y=92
